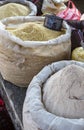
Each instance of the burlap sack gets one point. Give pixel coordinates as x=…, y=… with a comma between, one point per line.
x=35, y=115
x=21, y=60
x=30, y=5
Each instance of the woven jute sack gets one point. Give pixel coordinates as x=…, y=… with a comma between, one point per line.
x=21, y=60
x=35, y=114
x=32, y=7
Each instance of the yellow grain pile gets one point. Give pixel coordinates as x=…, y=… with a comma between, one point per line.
x=78, y=54
x=35, y=31
x=13, y=9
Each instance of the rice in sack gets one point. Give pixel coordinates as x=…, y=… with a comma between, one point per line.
x=25, y=49
x=12, y=8
x=35, y=31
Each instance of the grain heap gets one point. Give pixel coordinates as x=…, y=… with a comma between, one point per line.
x=13, y=9
x=34, y=31
x=78, y=54
x=63, y=93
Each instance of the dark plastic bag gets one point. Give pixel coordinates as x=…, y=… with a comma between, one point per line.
x=77, y=35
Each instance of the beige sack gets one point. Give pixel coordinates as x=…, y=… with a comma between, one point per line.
x=63, y=92
x=21, y=60
x=50, y=6
x=35, y=115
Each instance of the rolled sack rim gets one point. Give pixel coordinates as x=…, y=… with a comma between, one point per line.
x=60, y=1
x=34, y=106
x=59, y=40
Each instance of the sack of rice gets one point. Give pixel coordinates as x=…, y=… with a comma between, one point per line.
x=13, y=8
x=50, y=6
x=26, y=46
x=55, y=97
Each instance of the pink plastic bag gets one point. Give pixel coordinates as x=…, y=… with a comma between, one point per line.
x=70, y=13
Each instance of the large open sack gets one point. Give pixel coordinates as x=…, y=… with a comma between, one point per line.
x=21, y=60
x=35, y=114
x=16, y=9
